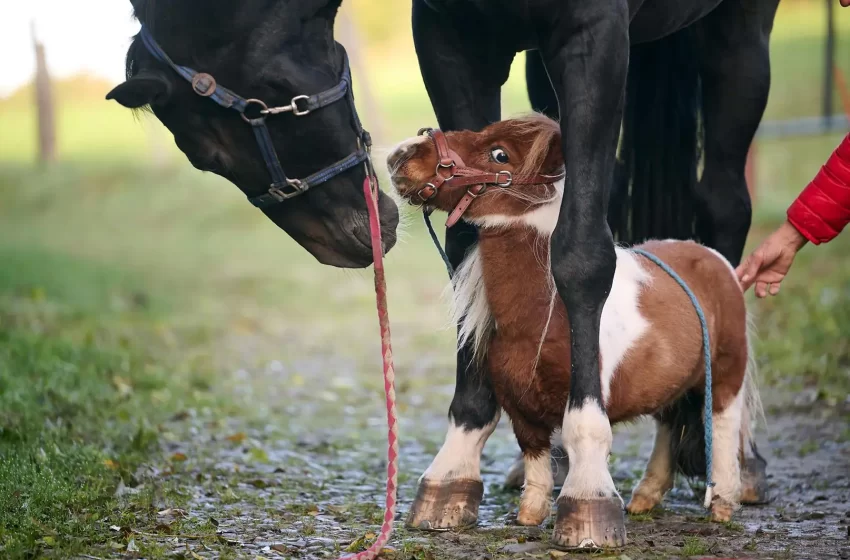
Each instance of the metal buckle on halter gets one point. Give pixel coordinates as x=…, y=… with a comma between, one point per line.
x=433, y=193
x=508, y=180
x=449, y=166
x=279, y=194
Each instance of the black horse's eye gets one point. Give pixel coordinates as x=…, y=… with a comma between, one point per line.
x=499, y=155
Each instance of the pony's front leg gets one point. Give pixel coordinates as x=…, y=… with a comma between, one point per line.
x=587, y=57
x=465, y=94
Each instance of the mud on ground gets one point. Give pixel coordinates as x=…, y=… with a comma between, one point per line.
x=297, y=471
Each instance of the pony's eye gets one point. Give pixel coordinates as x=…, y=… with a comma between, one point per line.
x=499, y=155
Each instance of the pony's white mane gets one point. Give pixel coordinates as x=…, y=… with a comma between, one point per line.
x=469, y=307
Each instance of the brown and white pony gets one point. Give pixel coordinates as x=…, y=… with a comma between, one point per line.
x=650, y=338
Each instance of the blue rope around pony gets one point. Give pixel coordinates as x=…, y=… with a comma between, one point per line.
x=706, y=350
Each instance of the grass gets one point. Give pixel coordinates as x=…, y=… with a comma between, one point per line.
x=124, y=301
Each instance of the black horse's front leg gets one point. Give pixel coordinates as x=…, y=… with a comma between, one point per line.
x=587, y=56
x=463, y=74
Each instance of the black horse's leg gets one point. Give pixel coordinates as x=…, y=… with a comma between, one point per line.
x=544, y=100
x=463, y=76
x=587, y=55
x=735, y=68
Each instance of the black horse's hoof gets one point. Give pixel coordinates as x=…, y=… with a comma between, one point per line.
x=597, y=523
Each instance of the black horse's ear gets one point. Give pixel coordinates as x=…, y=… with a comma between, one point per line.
x=146, y=88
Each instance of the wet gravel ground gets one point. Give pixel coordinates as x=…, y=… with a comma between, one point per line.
x=292, y=465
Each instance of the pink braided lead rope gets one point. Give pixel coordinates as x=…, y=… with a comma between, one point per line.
x=370, y=190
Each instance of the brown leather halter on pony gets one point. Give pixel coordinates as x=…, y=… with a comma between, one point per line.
x=457, y=174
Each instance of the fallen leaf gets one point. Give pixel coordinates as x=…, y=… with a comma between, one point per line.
x=183, y=415
x=557, y=554
x=214, y=521
x=116, y=546
x=163, y=528
x=238, y=437
x=110, y=464
x=280, y=548
x=131, y=546
x=49, y=541
x=371, y=536
x=115, y=527
x=179, y=457
x=224, y=540
x=173, y=512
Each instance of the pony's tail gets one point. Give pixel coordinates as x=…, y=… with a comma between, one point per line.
x=654, y=191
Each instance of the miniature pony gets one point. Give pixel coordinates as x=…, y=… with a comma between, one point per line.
x=508, y=180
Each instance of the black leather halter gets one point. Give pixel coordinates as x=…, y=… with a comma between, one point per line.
x=282, y=187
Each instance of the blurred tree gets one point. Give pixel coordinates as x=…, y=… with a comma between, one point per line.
x=44, y=104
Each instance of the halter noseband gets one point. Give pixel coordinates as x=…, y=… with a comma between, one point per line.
x=282, y=187
x=459, y=175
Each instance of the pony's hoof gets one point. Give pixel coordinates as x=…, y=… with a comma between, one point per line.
x=531, y=515
x=561, y=465
x=641, y=503
x=598, y=523
x=754, y=488
x=721, y=510
x=450, y=505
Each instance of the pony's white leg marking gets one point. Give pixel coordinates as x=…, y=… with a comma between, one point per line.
x=587, y=438
x=460, y=456
x=658, y=477
x=726, y=471
x=536, y=503
x=622, y=324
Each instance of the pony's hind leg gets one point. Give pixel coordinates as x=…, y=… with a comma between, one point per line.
x=723, y=499
x=659, y=475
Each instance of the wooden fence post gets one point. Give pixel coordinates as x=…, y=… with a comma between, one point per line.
x=45, y=113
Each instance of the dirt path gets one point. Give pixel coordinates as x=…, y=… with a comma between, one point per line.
x=297, y=471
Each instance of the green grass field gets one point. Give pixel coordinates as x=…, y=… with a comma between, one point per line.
x=128, y=287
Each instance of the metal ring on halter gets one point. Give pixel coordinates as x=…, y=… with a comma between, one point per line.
x=294, y=105
x=248, y=103
x=507, y=182
x=424, y=130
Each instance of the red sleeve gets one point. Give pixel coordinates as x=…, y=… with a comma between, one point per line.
x=823, y=208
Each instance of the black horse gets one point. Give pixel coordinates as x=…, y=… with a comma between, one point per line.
x=688, y=81
x=283, y=53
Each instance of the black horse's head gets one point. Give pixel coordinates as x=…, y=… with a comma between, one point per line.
x=272, y=50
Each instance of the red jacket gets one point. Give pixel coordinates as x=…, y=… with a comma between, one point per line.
x=823, y=208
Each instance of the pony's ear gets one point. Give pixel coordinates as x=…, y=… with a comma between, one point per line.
x=146, y=88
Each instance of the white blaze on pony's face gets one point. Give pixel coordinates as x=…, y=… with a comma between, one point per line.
x=523, y=147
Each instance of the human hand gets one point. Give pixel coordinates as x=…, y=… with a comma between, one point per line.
x=845, y=3
x=768, y=265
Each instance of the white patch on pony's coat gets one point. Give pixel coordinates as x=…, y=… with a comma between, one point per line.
x=542, y=219
x=660, y=471
x=537, y=490
x=587, y=438
x=622, y=324
x=460, y=456
x=726, y=471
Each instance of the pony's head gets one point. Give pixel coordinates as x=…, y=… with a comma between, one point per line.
x=511, y=172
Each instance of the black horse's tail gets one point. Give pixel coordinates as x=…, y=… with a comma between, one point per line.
x=654, y=193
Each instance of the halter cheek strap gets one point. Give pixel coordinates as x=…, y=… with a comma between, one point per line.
x=281, y=187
